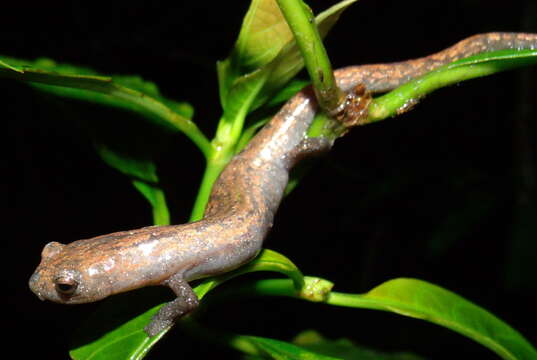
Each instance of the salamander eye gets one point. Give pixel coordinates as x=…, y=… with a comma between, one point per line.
x=65, y=286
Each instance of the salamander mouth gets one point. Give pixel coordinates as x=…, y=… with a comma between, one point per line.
x=34, y=286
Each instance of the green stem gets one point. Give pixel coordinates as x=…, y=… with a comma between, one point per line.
x=302, y=23
x=161, y=215
x=156, y=197
x=324, y=125
x=405, y=96
x=215, y=164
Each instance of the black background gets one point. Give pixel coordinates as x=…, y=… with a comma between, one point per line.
x=457, y=148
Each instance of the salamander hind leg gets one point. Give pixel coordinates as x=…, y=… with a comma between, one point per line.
x=185, y=302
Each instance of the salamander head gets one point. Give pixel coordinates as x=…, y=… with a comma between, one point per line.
x=68, y=276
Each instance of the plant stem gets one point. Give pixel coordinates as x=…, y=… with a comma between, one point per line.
x=161, y=215
x=215, y=165
x=407, y=95
x=302, y=23
x=324, y=125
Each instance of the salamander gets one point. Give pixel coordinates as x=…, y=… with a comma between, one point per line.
x=241, y=208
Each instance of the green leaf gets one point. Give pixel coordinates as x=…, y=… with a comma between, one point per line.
x=276, y=349
x=237, y=105
x=263, y=33
x=11, y=67
x=101, y=338
x=250, y=132
x=267, y=260
x=243, y=87
x=130, y=93
x=472, y=67
x=345, y=348
x=422, y=300
x=129, y=145
x=287, y=92
x=289, y=61
x=143, y=174
x=128, y=337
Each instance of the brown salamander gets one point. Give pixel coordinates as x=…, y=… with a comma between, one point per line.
x=241, y=208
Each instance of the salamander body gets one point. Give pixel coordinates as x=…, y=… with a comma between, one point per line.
x=241, y=208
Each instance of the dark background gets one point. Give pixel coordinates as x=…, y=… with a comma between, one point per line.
x=437, y=194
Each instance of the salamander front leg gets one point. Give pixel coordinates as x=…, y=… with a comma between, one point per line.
x=168, y=314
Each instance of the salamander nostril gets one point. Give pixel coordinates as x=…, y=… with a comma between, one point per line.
x=34, y=285
x=34, y=279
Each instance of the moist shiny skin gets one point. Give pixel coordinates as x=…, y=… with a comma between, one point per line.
x=241, y=208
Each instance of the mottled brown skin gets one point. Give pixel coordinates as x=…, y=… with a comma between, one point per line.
x=241, y=208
